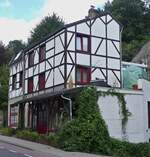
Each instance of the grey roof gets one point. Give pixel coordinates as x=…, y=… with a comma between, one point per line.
x=144, y=55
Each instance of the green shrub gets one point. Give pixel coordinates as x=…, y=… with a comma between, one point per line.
x=28, y=135
x=52, y=140
x=7, y=131
x=88, y=131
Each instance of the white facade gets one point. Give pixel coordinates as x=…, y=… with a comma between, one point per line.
x=137, y=129
x=92, y=44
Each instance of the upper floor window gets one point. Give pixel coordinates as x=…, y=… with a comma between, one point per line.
x=83, y=43
x=14, y=77
x=41, y=81
x=42, y=53
x=83, y=75
x=30, y=85
x=20, y=79
x=31, y=58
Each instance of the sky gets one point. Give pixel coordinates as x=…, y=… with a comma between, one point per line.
x=19, y=17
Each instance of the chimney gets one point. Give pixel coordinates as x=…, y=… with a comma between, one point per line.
x=92, y=12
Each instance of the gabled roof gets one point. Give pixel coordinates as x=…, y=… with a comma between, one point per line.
x=64, y=27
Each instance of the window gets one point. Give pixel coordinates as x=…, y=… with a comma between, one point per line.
x=83, y=75
x=31, y=58
x=14, y=116
x=42, y=53
x=149, y=115
x=30, y=85
x=14, y=82
x=20, y=79
x=41, y=81
x=83, y=43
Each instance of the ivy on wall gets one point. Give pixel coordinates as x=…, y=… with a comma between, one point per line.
x=122, y=103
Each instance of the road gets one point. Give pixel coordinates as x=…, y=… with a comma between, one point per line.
x=9, y=150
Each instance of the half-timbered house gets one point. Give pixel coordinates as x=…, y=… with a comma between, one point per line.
x=81, y=53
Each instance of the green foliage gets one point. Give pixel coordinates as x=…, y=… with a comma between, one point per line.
x=48, y=25
x=28, y=135
x=4, y=86
x=7, y=131
x=88, y=131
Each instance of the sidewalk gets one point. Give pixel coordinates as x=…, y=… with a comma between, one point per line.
x=43, y=148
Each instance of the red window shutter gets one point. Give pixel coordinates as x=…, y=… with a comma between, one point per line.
x=42, y=81
x=30, y=85
x=42, y=53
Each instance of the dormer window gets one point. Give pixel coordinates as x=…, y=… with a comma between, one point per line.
x=42, y=53
x=83, y=43
x=31, y=58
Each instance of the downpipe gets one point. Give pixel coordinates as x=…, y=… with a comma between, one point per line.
x=70, y=105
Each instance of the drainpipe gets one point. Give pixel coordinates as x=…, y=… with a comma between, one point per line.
x=70, y=105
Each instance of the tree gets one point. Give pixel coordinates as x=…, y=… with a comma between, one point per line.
x=4, y=91
x=48, y=25
x=2, y=54
x=13, y=48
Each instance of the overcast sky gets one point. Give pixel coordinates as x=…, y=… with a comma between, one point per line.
x=18, y=17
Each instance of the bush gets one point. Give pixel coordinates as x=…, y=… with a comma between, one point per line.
x=7, y=131
x=28, y=135
x=88, y=131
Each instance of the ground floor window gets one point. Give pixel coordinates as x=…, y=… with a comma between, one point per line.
x=14, y=116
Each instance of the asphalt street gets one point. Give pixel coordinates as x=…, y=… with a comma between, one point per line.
x=9, y=150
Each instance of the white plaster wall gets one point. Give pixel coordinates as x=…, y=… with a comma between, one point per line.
x=113, y=30
x=83, y=59
x=98, y=74
x=49, y=78
x=71, y=39
x=36, y=56
x=58, y=59
x=145, y=86
x=110, y=111
x=95, y=43
x=99, y=61
x=83, y=28
x=50, y=44
x=112, y=51
x=58, y=45
x=58, y=79
x=98, y=28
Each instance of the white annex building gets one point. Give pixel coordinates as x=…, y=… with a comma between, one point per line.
x=81, y=53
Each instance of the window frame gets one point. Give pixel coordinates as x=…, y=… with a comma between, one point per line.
x=30, y=90
x=42, y=52
x=83, y=69
x=31, y=59
x=81, y=36
x=14, y=79
x=41, y=77
x=20, y=79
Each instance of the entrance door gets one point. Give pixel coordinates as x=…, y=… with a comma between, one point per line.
x=42, y=119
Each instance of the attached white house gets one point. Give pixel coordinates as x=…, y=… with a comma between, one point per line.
x=81, y=53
